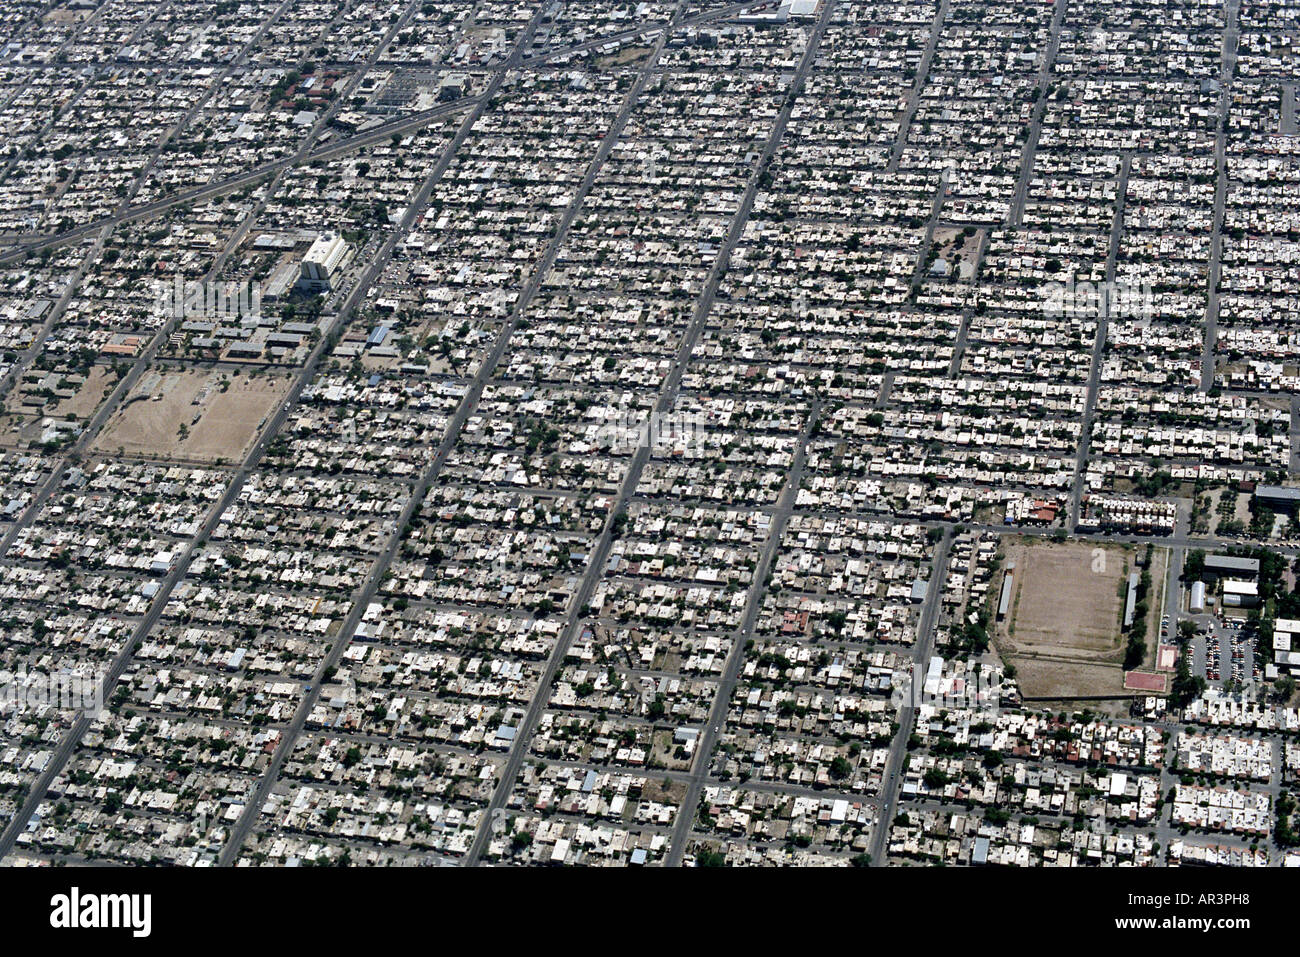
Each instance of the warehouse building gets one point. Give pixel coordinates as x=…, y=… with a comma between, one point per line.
x=1237, y=567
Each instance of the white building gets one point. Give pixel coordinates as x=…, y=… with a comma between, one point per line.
x=322, y=262
x=1240, y=594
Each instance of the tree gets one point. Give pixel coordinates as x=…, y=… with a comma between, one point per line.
x=1285, y=808
x=1187, y=687
x=1284, y=689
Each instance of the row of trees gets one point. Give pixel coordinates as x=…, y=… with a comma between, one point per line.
x=1135, y=650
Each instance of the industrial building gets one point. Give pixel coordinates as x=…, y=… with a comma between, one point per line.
x=1238, y=567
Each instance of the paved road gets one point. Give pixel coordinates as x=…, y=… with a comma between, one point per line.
x=106, y=229
x=464, y=410
x=1016, y=214
x=181, y=564
x=333, y=150
x=251, y=177
x=914, y=95
x=892, y=780
x=1098, y=350
x=707, y=16
x=600, y=553
x=1174, y=592
x=708, y=740
x=142, y=362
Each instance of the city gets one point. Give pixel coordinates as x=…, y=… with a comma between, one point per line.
x=649, y=433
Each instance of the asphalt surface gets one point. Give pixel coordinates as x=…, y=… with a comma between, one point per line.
x=1098, y=351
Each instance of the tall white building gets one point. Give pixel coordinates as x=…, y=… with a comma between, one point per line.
x=322, y=262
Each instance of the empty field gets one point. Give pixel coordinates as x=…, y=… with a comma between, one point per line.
x=82, y=406
x=1067, y=598
x=193, y=415
x=1050, y=677
x=1062, y=628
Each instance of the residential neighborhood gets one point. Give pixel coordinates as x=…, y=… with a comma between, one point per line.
x=653, y=433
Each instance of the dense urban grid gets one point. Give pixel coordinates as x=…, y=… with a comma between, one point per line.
x=604, y=432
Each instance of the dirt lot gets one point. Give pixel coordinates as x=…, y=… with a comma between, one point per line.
x=622, y=58
x=82, y=406
x=1044, y=677
x=193, y=415
x=1066, y=599
x=1062, y=631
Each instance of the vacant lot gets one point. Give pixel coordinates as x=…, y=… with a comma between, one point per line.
x=1062, y=631
x=88, y=398
x=623, y=58
x=195, y=415
x=1067, y=598
x=1046, y=677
